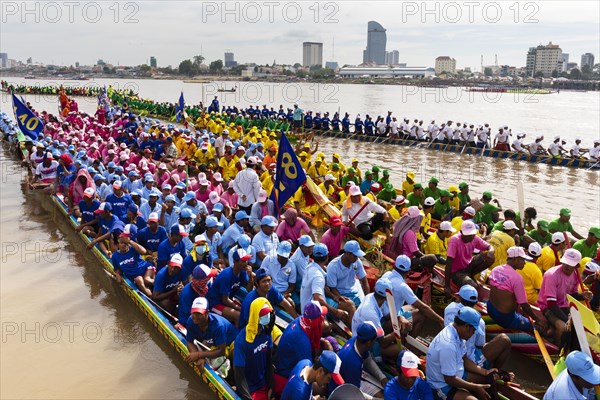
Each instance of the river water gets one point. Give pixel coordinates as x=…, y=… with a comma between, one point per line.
x=78, y=336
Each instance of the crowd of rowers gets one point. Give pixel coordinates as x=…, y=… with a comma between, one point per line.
x=91, y=90
x=186, y=216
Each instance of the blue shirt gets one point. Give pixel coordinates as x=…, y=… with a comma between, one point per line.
x=344, y=278
x=149, y=240
x=189, y=264
x=163, y=282
x=226, y=283
x=282, y=275
x=297, y=388
x=475, y=341
x=165, y=251
x=230, y=237
x=146, y=209
x=352, y=363
x=119, y=204
x=129, y=263
x=301, y=261
x=369, y=311
x=107, y=225
x=313, y=283
x=563, y=388
x=219, y=331
x=266, y=244
x=403, y=294
x=273, y=295
x=420, y=390
x=186, y=298
x=445, y=357
x=253, y=358
x=87, y=212
x=294, y=345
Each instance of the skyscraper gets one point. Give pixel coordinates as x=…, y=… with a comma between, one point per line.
x=587, y=59
x=4, y=60
x=544, y=59
x=312, y=54
x=153, y=62
x=230, y=59
x=376, y=42
x=392, y=57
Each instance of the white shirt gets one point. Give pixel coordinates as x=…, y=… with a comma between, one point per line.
x=553, y=148
x=394, y=127
x=47, y=173
x=381, y=126
x=365, y=215
x=502, y=137
x=575, y=150
x=246, y=184
x=369, y=310
x=518, y=144
x=313, y=283
x=595, y=152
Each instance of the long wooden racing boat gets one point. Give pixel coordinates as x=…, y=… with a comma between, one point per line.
x=455, y=148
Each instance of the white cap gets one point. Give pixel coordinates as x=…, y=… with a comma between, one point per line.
x=571, y=257
x=447, y=226
x=470, y=210
x=508, y=225
x=517, y=251
x=89, y=192
x=329, y=177
x=468, y=228
x=262, y=195
x=558, y=238
x=429, y=201
x=354, y=190
x=176, y=260
x=535, y=249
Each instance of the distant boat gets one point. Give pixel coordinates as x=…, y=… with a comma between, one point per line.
x=30, y=76
x=82, y=78
x=232, y=90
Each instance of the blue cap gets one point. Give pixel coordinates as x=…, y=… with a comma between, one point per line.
x=110, y=164
x=189, y=196
x=119, y=169
x=368, y=331
x=212, y=222
x=133, y=208
x=180, y=185
x=582, y=365
x=91, y=170
x=284, y=249
x=178, y=230
x=170, y=197
x=305, y=240
x=382, y=285
x=260, y=273
x=203, y=271
x=471, y=317
x=468, y=292
x=148, y=178
x=269, y=221
x=243, y=241
x=218, y=207
x=187, y=213
x=241, y=215
x=353, y=247
x=71, y=147
x=320, y=250
x=154, y=193
x=403, y=263
x=98, y=177
x=313, y=310
x=166, y=186
x=132, y=173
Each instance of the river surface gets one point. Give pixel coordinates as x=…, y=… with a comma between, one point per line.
x=77, y=336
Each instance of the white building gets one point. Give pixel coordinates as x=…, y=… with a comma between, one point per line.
x=392, y=57
x=545, y=59
x=383, y=72
x=445, y=64
x=312, y=54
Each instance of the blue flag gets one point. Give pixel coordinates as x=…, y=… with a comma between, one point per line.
x=29, y=123
x=289, y=175
x=180, y=107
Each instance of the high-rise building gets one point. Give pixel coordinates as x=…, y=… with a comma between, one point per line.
x=587, y=59
x=376, y=42
x=312, y=54
x=230, y=59
x=564, y=62
x=331, y=64
x=445, y=64
x=392, y=57
x=4, y=60
x=544, y=59
x=153, y=62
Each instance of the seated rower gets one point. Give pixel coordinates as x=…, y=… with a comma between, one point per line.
x=127, y=262
x=372, y=216
x=404, y=241
x=557, y=282
x=508, y=293
x=437, y=243
x=214, y=332
x=244, y=242
x=405, y=299
x=264, y=288
x=252, y=353
x=266, y=241
x=301, y=259
x=221, y=295
x=152, y=236
x=532, y=275
x=172, y=245
x=448, y=364
x=200, y=254
x=302, y=339
x=169, y=283
x=551, y=254
x=306, y=374
x=374, y=308
x=408, y=384
x=282, y=270
x=342, y=274
x=106, y=224
x=292, y=227
x=334, y=236
x=577, y=380
x=86, y=211
x=356, y=356
x=198, y=287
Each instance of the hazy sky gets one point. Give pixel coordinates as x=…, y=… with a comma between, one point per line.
x=130, y=32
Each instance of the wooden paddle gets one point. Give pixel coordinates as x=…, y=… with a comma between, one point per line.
x=394, y=316
x=544, y=351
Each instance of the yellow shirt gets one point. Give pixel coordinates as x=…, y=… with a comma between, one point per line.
x=327, y=192
x=547, y=260
x=358, y=173
x=317, y=173
x=229, y=171
x=268, y=184
x=532, y=277
x=426, y=224
x=501, y=242
x=305, y=164
x=190, y=150
x=205, y=158
x=342, y=166
x=436, y=245
x=407, y=188
x=455, y=203
x=393, y=211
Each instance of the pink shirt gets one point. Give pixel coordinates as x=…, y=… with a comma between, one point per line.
x=461, y=252
x=293, y=233
x=230, y=199
x=505, y=277
x=334, y=242
x=409, y=244
x=555, y=287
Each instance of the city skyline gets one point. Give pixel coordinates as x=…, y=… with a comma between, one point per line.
x=574, y=26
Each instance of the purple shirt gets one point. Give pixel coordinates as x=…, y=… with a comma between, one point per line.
x=462, y=253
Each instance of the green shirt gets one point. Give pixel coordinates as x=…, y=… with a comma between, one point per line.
x=586, y=251
x=485, y=214
x=346, y=179
x=414, y=200
x=542, y=240
x=465, y=199
x=440, y=209
x=430, y=193
x=558, y=226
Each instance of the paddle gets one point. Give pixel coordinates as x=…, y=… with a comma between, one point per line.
x=544, y=351
x=593, y=166
x=394, y=316
x=521, y=201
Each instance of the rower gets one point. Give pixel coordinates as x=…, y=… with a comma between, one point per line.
x=408, y=384
x=266, y=241
x=536, y=147
x=252, y=353
x=563, y=224
x=282, y=270
x=213, y=331
x=200, y=254
x=508, y=293
x=467, y=215
x=432, y=189
x=557, y=282
x=502, y=240
x=447, y=361
x=307, y=374
x=152, y=235
x=174, y=244
x=197, y=287
x=437, y=243
x=169, y=283
x=588, y=247
x=404, y=298
x=531, y=273
x=442, y=209
x=106, y=223
x=540, y=234
x=404, y=240
x=577, y=381
x=398, y=208
x=221, y=295
x=356, y=356
x=87, y=206
x=262, y=208
x=408, y=184
x=551, y=254
x=517, y=145
x=292, y=227
x=576, y=150
x=416, y=196
x=243, y=242
x=127, y=262
x=489, y=212
x=367, y=218
x=342, y=274
x=213, y=238
x=302, y=339
x=461, y=266
x=595, y=151
x=301, y=259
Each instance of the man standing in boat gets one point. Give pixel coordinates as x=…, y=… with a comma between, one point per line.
x=366, y=215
